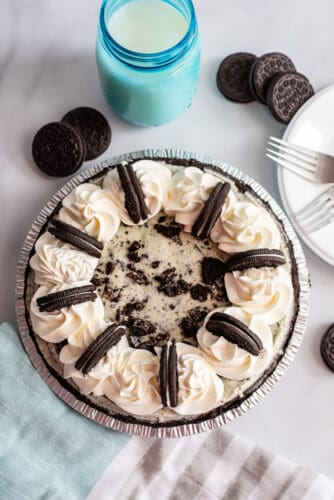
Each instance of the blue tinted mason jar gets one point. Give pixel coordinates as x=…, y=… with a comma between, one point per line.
x=148, y=88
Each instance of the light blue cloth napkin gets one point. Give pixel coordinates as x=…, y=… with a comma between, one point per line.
x=47, y=450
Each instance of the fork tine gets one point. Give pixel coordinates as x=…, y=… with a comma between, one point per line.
x=318, y=213
x=293, y=154
x=320, y=222
x=306, y=151
x=296, y=162
x=311, y=215
x=311, y=209
x=296, y=170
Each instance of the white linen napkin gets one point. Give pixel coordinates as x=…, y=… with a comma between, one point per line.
x=209, y=466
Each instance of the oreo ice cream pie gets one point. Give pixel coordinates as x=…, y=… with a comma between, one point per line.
x=161, y=291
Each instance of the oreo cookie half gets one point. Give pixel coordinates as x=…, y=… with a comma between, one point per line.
x=163, y=375
x=173, y=379
x=287, y=92
x=93, y=127
x=134, y=196
x=66, y=298
x=233, y=77
x=264, y=69
x=168, y=375
x=99, y=347
x=262, y=257
x=75, y=237
x=211, y=211
x=327, y=347
x=58, y=149
x=235, y=331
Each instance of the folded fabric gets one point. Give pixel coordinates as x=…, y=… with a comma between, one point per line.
x=47, y=450
x=211, y=466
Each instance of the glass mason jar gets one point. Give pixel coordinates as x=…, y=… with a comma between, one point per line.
x=148, y=88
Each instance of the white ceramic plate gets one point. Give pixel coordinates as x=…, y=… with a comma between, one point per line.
x=312, y=127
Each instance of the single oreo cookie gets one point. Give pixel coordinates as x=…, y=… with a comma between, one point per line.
x=235, y=331
x=93, y=127
x=58, y=149
x=66, y=298
x=261, y=257
x=264, y=69
x=286, y=94
x=99, y=347
x=327, y=347
x=70, y=234
x=134, y=196
x=211, y=211
x=233, y=77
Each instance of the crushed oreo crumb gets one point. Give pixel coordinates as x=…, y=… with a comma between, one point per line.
x=132, y=254
x=200, y=292
x=96, y=281
x=171, y=231
x=137, y=275
x=134, y=257
x=109, y=267
x=155, y=264
x=112, y=294
x=171, y=284
x=134, y=246
x=212, y=270
x=143, y=334
x=140, y=327
x=191, y=323
x=133, y=306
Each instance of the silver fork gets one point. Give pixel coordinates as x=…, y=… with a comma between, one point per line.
x=312, y=165
x=318, y=213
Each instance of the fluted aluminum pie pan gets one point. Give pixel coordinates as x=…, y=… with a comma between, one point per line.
x=133, y=425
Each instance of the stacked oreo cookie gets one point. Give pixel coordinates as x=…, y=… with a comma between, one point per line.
x=271, y=79
x=60, y=148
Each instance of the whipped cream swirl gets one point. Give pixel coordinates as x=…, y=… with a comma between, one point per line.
x=56, y=262
x=75, y=323
x=189, y=190
x=91, y=209
x=126, y=376
x=200, y=390
x=266, y=292
x=154, y=178
x=229, y=360
x=245, y=226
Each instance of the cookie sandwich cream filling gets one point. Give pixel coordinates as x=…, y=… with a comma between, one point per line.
x=205, y=288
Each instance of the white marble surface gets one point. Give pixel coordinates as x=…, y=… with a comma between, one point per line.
x=47, y=67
